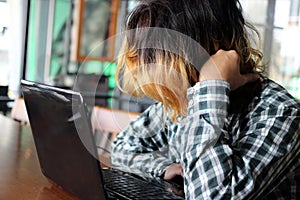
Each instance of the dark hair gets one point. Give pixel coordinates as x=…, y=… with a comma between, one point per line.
x=209, y=22
x=214, y=24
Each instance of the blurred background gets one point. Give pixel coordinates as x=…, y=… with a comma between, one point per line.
x=64, y=43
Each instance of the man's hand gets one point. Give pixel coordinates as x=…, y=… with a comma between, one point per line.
x=225, y=65
x=173, y=171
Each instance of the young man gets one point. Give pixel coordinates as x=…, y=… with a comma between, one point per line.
x=218, y=122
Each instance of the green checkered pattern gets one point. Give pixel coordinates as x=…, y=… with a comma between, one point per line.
x=252, y=153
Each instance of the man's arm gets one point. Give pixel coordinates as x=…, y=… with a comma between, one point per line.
x=216, y=167
x=142, y=148
x=222, y=66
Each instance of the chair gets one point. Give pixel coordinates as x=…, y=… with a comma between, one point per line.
x=106, y=124
x=92, y=87
x=19, y=112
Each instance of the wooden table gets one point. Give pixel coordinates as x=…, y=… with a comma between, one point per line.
x=20, y=175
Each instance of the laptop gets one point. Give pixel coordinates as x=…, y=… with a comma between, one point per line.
x=67, y=150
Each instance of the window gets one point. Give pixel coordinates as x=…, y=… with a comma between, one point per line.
x=4, y=39
x=278, y=24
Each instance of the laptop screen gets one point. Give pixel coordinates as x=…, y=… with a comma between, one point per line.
x=63, y=138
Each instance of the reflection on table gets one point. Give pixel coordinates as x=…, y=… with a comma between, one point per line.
x=20, y=174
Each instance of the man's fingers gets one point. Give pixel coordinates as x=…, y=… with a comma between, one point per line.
x=250, y=77
x=173, y=171
x=243, y=79
x=225, y=65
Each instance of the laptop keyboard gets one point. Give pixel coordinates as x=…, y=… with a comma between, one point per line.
x=131, y=187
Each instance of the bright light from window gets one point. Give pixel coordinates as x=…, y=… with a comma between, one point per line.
x=4, y=43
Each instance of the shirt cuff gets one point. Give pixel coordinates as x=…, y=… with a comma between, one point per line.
x=208, y=95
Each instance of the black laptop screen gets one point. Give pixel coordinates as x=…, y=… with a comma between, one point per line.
x=63, y=139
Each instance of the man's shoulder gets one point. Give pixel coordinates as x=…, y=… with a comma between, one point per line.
x=275, y=95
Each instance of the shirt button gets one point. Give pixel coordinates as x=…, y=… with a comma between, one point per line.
x=191, y=111
x=192, y=91
x=191, y=102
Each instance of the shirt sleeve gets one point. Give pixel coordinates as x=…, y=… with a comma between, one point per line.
x=217, y=168
x=142, y=147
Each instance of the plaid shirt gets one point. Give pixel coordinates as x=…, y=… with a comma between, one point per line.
x=243, y=150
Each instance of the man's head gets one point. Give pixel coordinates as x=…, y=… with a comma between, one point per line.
x=167, y=41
